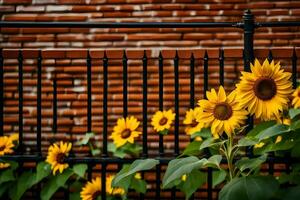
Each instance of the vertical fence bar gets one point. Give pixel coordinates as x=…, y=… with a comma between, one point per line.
x=248, y=56
x=221, y=64
x=271, y=154
x=161, y=107
x=105, y=80
x=176, y=98
x=161, y=97
x=20, y=89
x=54, y=106
x=104, y=132
x=205, y=88
x=89, y=92
x=205, y=74
x=294, y=68
x=1, y=92
x=125, y=100
x=39, y=104
x=192, y=81
x=145, y=145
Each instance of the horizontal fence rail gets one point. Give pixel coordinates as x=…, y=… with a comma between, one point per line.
x=248, y=25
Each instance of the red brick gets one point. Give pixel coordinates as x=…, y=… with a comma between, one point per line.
x=16, y=2
x=108, y=37
x=79, y=8
x=154, y=37
x=6, y=9
x=71, y=18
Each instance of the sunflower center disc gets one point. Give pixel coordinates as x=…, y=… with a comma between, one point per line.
x=194, y=123
x=264, y=88
x=223, y=111
x=96, y=195
x=163, y=121
x=2, y=148
x=60, y=158
x=299, y=93
x=126, y=133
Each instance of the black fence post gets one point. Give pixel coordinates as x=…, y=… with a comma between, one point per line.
x=248, y=55
x=249, y=26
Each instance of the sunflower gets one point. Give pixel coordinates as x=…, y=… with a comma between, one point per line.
x=192, y=120
x=113, y=191
x=265, y=90
x=91, y=190
x=162, y=120
x=14, y=137
x=4, y=165
x=56, y=156
x=6, y=145
x=296, y=99
x=125, y=131
x=221, y=112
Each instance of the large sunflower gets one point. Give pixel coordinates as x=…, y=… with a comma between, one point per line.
x=296, y=98
x=162, y=120
x=91, y=190
x=113, y=191
x=192, y=120
x=221, y=112
x=56, y=156
x=6, y=145
x=125, y=131
x=265, y=90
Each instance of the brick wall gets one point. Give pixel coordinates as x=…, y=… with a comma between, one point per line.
x=145, y=11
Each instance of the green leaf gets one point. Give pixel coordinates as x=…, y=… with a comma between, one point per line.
x=250, y=163
x=295, y=125
x=24, y=182
x=54, y=183
x=204, y=133
x=249, y=188
x=295, y=151
x=43, y=170
x=272, y=131
x=193, y=181
x=292, y=193
x=136, y=166
x=4, y=188
x=80, y=169
x=218, y=177
x=139, y=186
x=260, y=127
x=85, y=140
x=124, y=182
x=7, y=175
x=75, y=196
x=210, y=142
x=178, y=167
x=192, y=149
x=294, y=112
x=213, y=161
x=247, y=141
x=164, y=132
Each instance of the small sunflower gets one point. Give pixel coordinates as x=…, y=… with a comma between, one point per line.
x=4, y=165
x=6, y=145
x=259, y=145
x=125, y=131
x=91, y=190
x=192, y=120
x=162, y=120
x=56, y=156
x=265, y=90
x=113, y=191
x=296, y=98
x=221, y=112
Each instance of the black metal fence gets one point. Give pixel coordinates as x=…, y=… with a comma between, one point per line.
x=248, y=25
